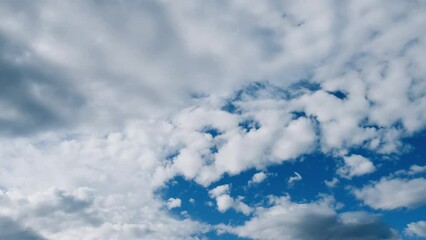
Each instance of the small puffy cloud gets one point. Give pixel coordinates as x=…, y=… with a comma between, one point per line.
x=331, y=183
x=297, y=177
x=219, y=190
x=173, y=203
x=192, y=201
x=258, y=178
x=417, y=229
x=356, y=165
x=224, y=201
x=388, y=194
x=286, y=220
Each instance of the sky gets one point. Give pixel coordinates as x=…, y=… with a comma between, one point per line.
x=190, y=120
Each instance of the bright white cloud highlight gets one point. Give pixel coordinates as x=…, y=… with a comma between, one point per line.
x=224, y=201
x=174, y=203
x=258, y=178
x=394, y=193
x=356, y=165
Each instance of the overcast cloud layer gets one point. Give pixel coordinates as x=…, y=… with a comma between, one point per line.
x=104, y=104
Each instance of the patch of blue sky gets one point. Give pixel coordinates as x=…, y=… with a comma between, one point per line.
x=249, y=124
x=315, y=169
x=339, y=94
x=214, y=132
x=204, y=207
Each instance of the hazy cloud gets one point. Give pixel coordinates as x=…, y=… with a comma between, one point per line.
x=416, y=229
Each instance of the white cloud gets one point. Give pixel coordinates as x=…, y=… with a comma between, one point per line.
x=395, y=193
x=297, y=177
x=297, y=138
x=219, y=190
x=174, y=203
x=414, y=170
x=103, y=187
x=224, y=201
x=315, y=220
x=356, y=165
x=84, y=214
x=106, y=87
x=79, y=70
x=332, y=183
x=280, y=41
x=258, y=178
x=416, y=229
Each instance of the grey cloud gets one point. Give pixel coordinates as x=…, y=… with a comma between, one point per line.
x=136, y=59
x=32, y=98
x=103, y=63
x=309, y=221
x=416, y=229
x=99, y=64
x=10, y=229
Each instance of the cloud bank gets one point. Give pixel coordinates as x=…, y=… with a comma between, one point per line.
x=103, y=103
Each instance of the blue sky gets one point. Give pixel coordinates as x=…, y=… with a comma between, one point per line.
x=188, y=120
x=314, y=169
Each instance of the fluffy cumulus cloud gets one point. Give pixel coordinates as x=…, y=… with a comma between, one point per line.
x=393, y=193
x=224, y=200
x=258, y=178
x=174, y=203
x=57, y=214
x=356, y=165
x=285, y=219
x=84, y=189
x=102, y=103
x=111, y=73
x=416, y=229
